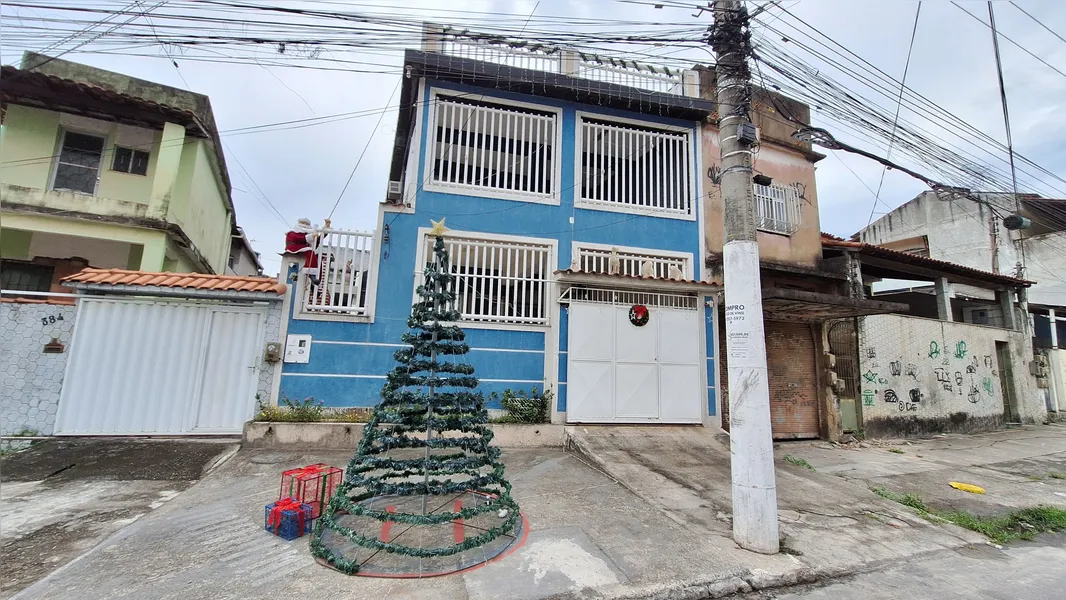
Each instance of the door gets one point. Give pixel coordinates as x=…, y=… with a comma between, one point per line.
x=843, y=344
x=154, y=367
x=230, y=372
x=621, y=373
x=1006, y=382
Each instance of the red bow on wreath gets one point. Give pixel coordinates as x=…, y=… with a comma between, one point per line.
x=280, y=507
x=639, y=315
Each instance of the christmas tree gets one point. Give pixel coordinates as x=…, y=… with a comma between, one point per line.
x=425, y=482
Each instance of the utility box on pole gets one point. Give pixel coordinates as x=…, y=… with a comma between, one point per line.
x=755, y=524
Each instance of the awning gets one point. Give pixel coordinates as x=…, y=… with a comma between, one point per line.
x=782, y=304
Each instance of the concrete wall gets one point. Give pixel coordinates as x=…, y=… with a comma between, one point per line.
x=1045, y=260
x=31, y=379
x=921, y=376
x=152, y=242
x=198, y=206
x=785, y=166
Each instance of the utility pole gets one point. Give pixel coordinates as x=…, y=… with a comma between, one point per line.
x=751, y=445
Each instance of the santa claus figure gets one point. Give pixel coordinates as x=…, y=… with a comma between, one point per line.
x=303, y=239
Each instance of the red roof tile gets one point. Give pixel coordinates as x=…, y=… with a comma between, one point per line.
x=199, y=281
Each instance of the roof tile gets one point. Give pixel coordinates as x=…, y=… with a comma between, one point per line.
x=125, y=277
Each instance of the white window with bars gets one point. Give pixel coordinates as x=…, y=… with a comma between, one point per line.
x=631, y=261
x=344, y=271
x=497, y=150
x=777, y=208
x=629, y=298
x=497, y=281
x=635, y=168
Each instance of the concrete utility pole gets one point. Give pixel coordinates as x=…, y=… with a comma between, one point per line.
x=751, y=444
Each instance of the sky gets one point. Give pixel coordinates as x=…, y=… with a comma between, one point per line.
x=302, y=171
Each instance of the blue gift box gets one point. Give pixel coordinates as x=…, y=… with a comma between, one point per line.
x=287, y=519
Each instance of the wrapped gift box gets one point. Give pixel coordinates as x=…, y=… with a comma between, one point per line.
x=288, y=518
x=313, y=485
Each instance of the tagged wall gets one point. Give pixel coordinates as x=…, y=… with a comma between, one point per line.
x=926, y=376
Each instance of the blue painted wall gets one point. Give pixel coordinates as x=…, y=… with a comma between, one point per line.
x=348, y=361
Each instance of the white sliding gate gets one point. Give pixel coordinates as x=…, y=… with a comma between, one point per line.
x=158, y=367
x=620, y=373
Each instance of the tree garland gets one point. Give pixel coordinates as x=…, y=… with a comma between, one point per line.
x=423, y=395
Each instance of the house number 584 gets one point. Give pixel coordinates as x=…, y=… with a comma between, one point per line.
x=50, y=319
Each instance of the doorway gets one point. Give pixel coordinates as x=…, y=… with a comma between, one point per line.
x=1006, y=383
x=843, y=344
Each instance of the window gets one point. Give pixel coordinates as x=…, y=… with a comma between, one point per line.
x=777, y=208
x=25, y=277
x=344, y=268
x=128, y=160
x=598, y=260
x=635, y=168
x=482, y=146
x=79, y=163
x=498, y=281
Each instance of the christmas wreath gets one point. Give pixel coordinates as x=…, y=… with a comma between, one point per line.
x=639, y=315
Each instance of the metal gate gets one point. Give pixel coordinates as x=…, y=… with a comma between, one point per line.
x=144, y=367
x=620, y=373
x=843, y=344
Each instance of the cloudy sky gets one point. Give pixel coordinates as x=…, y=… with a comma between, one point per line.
x=302, y=170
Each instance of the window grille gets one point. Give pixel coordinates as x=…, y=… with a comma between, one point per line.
x=485, y=147
x=629, y=298
x=777, y=208
x=78, y=166
x=497, y=281
x=344, y=268
x=595, y=260
x=635, y=167
x=25, y=277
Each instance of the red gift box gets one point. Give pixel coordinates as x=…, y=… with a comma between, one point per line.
x=313, y=485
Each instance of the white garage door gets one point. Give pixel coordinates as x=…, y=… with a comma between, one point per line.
x=620, y=373
x=160, y=368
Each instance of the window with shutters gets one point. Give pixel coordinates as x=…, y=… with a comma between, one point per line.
x=493, y=149
x=497, y=280
x=629, y=167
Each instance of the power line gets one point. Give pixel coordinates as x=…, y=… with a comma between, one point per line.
x=359, y=161
x=899, y=104
x=1016, y=44
x=1038, y=21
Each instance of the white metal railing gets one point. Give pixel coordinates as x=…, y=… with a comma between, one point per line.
x=496, y=281
x=625, y=297
x=537, y=57
x=562, y=60
x=636, y=167
x=595, y=260
x=777, y=208
x=494, y=148
x=344, y=268
x=632, y=74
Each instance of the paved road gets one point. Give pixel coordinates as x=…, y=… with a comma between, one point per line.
x=1024, y=571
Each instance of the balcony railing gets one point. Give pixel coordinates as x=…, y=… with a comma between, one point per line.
x=344, y=267
x=561, y=60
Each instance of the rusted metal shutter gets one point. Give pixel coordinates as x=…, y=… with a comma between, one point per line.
x=790, y=358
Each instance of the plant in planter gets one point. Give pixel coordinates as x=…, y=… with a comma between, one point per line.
x=526, y=408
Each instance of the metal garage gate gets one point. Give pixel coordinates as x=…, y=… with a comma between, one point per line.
x=618, y=372
x=158, y=367
x=792, y=374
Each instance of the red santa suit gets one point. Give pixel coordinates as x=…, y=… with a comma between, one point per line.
x=303, y=240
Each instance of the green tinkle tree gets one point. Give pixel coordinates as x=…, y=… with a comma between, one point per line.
x=427, y=439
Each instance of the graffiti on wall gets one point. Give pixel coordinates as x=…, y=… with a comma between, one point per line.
x=944, y=371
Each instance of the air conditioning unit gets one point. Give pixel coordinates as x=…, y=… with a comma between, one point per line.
x=395, y=191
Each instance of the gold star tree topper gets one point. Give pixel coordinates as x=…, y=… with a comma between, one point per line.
x=438, y=227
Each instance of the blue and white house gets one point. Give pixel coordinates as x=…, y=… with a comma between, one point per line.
x=569, y=186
